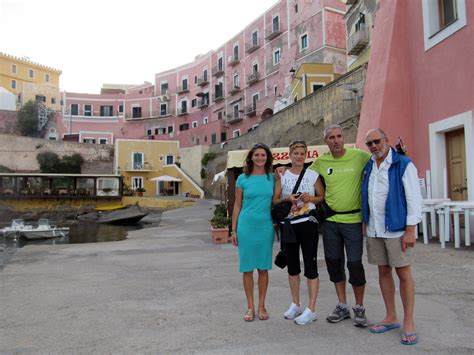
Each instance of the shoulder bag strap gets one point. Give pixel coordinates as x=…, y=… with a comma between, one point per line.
x=298, y=181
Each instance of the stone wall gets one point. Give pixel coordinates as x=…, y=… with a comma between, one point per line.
x=8, y=122
x=19, y=153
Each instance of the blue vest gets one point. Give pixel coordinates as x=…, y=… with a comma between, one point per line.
x=396, y=203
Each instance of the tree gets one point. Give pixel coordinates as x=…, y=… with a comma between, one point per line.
x=27, y=122
x=50, y=163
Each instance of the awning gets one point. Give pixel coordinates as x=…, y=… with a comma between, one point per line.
x=235, y=158
x=165, y=178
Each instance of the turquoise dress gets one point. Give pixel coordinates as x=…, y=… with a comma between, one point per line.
x=254, y=225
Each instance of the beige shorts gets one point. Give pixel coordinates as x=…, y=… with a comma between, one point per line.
x=388, y=251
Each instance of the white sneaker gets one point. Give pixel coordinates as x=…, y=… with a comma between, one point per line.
x=306, y=318
x=293, y=312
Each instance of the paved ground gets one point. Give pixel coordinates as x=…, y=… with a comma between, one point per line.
x=169, y=290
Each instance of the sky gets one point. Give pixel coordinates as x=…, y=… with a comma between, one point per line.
x=117, y=41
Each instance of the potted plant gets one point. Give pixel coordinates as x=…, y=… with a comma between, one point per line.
x=140, y=191
x=220, y=225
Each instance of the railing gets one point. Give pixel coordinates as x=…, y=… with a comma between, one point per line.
x=182, y=89
x=358, y=41
x=253, y=78
x=234, y=60
x=216, y=71
x=202, y=81
x=233, y=118
x=182, y=111
x=252, y=45
x=251, y=110
x=138, y=166
x=143, y=115
x=165, y=113
x=273, y=31
x=203, y=103
x=218, y=96
x=234, y=89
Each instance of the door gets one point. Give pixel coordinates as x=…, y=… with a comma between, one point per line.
x=456, y=161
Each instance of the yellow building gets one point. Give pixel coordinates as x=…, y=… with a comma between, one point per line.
x=150, y=165
x=30, y=81
x=310, y=77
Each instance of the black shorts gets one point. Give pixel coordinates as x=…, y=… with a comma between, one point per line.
x=307, y=238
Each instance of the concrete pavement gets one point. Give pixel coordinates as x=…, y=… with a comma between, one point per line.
x=170, y=290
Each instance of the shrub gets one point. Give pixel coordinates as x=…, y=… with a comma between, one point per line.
x=207, y=157
x=220, y=219
x=50, y=163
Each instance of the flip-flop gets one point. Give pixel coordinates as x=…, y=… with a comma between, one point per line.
x=384, y=327
x=406, y=342
x=249, y=315
x=263, y=315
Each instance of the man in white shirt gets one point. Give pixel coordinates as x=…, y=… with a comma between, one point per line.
x=391, y=209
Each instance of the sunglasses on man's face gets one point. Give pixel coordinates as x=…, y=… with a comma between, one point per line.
x=373, y=142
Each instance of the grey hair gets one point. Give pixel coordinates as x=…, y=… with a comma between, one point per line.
x=380, y=130
x=328, y=128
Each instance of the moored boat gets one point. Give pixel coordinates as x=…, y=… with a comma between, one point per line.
x=43, y=230
x=129, y=215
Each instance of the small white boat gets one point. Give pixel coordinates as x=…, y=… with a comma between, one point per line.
x=42, y=231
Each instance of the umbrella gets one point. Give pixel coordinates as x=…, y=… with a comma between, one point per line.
x=165, y=178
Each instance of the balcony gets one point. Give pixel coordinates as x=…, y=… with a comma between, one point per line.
x=165, y=96
x=274, y=31
x=251, y=110
x=358, y=41
x=233, y=118
x=219, y=96
x=142, y=116
x=182, y=89
x=234, y=89
x=164, y=113
x=182, y=111
x=253, y=78
x=138, y=166
x=234, y=60
x=202, y=81
x=217, y=71
x=252, y=45
x=203, y=103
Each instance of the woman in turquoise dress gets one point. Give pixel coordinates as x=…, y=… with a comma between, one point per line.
x=253, y=227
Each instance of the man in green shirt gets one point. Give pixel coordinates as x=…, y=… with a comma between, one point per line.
x=342, y=172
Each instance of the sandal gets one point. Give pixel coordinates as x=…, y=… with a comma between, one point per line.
x=262, y=314
x=248, y=316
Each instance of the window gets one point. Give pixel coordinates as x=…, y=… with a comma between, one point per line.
x=164, y=88
x=46, y=78
x=163, y=109
x=441, y=19
x=223, y=136
x=220, y=64
x=205, y=120
x=120, y=109
x=219, y=115
x=170, y=129
x=184, y=106
x=315, y=87
x=236, y=133
x=31, y=73
x=213, y=138
x=254, y=38
x=13, y=85
x=74, y=109
x=194, y=124
x=14, y=68
x=193, y=102
x=296, y=8
x=148, y=132
x=195, y=79
x=103, y=140
x=236, y=52
x=236, y=81
x=87, y=110
x=89, y=140
x=255, y=68
x=106, y=111
x=275, y=90
x=254, y=102
x=276, y=57
x=137, y=182
x=137, y=160
x=53, y=100
x=161, y=130
x=303, y=42
x=169, y=159
x=136, y=112
x=275, y=24
x=204, y=75
x=205, y=139
x=184, y=127
x=235, y=110
x=185, y=84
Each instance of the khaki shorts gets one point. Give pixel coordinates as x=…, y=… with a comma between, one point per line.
x=388, y=251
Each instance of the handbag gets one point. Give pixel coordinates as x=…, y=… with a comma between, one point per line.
x=282, y=209
x=280, y=259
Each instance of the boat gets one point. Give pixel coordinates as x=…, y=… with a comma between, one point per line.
x=128, y=215
x=43, y=230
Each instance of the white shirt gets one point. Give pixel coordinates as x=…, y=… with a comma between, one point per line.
x=378, y=191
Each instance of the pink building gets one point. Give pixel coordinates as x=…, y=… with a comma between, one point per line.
x=226, y=92
x=419, y=86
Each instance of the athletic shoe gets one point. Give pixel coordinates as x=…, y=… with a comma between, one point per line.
x=292, y=312
x=360, y=320
x=339, y=313
x=306, y=318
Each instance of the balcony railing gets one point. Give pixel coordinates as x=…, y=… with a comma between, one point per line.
x=251, y=110
x=234, y=89
x=233, y=118
x=138, y=166
x=252, y=45
x=219, y=96
x=273, y=31
x=203, y=103
x=182, y=89
x=142, y=116
x=234, y=60
x=358, y=41
x=202, y=81
x=217, y=71
x=182, y=111
x=253, y=78
x=164, y=113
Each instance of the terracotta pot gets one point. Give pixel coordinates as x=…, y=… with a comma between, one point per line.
x=220, y=235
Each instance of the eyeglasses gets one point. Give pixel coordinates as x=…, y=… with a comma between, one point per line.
x=259, y=145
x=373, y=142
x=298, y=142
